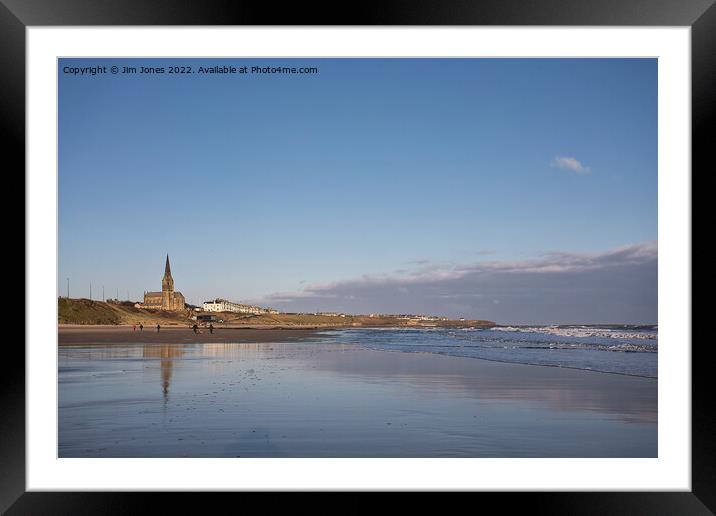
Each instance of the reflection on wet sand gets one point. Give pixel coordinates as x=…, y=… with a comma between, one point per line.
x=630, y=398
x=340, y=400
x=167, y=353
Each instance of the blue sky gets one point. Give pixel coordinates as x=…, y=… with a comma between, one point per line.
x=271, y=188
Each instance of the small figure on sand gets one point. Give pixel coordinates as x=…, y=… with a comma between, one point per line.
x=158, y=327
x=141, y=327
x=195, y=328
x=134, y=327
x=211, y=328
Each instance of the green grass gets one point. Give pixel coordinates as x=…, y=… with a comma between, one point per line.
x=85, y=311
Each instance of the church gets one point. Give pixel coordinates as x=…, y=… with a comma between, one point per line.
x=167, y=299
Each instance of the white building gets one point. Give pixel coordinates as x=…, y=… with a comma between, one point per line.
x=222, y=305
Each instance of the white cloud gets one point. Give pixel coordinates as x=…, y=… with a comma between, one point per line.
x=571, y=164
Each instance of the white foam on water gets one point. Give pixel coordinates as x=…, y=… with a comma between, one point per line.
x=583, y=331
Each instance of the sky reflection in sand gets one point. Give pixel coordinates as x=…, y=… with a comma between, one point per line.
x=334, y=400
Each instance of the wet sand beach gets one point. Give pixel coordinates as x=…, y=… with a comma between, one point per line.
x=307, y=398
x=107, y=335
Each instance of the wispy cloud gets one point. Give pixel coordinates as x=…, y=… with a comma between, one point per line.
x=570, y=164
x=617, y=285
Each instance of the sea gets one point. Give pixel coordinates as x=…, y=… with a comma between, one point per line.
x=620, y=349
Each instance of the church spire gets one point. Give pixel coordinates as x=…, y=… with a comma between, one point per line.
x=167, y=282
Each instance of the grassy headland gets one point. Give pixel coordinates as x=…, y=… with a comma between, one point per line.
x=89, y=312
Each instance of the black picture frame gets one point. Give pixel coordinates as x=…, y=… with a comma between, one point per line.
x=17, y=15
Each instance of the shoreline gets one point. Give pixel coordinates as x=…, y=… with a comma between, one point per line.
x=122, y=335
x=496, y=361
x=103, y=335
x=220, y=326
x=81, y=334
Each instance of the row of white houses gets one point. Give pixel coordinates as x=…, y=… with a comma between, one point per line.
x=222, y=305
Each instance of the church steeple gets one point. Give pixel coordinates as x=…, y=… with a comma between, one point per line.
x=167, y=280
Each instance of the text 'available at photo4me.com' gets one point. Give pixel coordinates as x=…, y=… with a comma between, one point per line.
x=121, y=69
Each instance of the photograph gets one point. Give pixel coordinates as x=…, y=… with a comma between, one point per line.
x=438, y=249
x=357, y=257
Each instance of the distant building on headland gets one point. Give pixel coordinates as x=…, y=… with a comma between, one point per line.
x=167, y=299
x=413, y=317
x=222, y=305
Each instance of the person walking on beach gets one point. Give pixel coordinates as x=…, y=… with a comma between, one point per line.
x=141, y=327
x=134, y=327
x=195, y=328
x=211, y=328
x=158, y=328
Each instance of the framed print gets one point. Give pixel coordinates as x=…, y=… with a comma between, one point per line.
x=436, y=249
